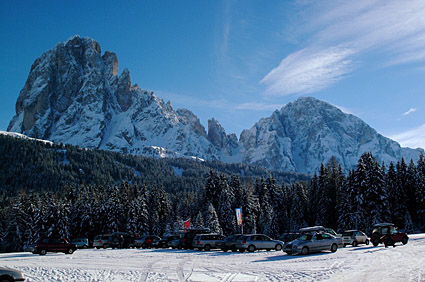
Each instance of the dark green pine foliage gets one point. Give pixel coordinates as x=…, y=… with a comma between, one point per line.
x=412, y=186
x=346, y=207
x=400, y=214
x=420, y=192
x=313, y=190
x=225, y=210
x=264, y=224
x=276, y=202
x=159, y=209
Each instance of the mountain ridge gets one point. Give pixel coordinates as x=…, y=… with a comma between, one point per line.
x=75, y=95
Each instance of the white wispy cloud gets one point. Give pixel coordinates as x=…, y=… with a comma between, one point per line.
x=414, y=138
x=411, y=110
x=308, y=71
x=339, y=33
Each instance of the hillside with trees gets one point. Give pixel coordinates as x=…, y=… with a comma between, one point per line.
x=66, y=191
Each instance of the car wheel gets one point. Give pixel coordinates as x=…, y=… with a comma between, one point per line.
x=334, y=247
x=105, y=246
x=144, y=245
x=224, y=250
x=207, y=248
x=305, y=250
x=367, y=242
x=251, y=248
x=355, y=243
x=278, y=247
x=42, y=252
x=241, y=250
x=85, y=247
x=6, y=279
x=234, y=249
x=69, y=251
x=404, y=240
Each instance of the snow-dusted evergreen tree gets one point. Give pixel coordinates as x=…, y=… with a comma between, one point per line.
x=159, y=208
x=411, y=186
x=346, y=210
x=400, y=211
x=313, y=201
x=276, y=202
x=298, y=205
x=212, y=189
x=420, y=192
x=376, y=198
x=212, y=220
x=199, y=220
x=264, y=224
x=225, y=211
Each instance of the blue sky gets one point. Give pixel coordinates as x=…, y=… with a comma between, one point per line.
x=238, y=61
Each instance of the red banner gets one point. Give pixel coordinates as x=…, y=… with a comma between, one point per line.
x=186, y=224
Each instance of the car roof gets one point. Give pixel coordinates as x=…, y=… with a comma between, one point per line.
x=312, y=228
x=384, y=224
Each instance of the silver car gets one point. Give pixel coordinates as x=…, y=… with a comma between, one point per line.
x=312, y=242
x=254, y=242
x=9, y=274
x=206, y=241
x=354, y=237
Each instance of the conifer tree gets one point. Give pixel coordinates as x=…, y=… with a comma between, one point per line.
x=212, y=220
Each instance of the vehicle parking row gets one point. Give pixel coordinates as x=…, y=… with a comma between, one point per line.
x=306, y=240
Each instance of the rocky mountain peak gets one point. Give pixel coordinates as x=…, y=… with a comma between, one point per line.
x=75, y=95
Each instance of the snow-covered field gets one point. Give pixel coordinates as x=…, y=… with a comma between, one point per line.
x=363, y=263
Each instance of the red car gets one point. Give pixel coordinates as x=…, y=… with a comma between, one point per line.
x=55, y=245
x=388, y=234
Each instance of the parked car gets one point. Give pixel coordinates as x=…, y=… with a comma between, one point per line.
x=254, y=242
x=101, y=241
x=120, y=240
x=288, y=237
x=82, y=243
x=321, y=229
x=388, y=234
x=186, y=238
x=54, y=245
x=163, y=243
x=10, y=275
x=354, y=237
x=228, y=243
x=206, y=241
x=145, y=241
x=312, y=242
x=174, y=244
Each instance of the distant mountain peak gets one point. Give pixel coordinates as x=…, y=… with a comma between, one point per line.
x=74, y=94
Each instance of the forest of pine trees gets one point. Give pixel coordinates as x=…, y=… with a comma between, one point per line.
x=271, y=204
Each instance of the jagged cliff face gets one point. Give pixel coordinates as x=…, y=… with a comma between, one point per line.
x=75, y=95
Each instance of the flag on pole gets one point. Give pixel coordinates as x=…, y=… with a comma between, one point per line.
x=239, y=216
x=186, y=224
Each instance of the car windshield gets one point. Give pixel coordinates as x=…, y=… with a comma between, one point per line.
x=347, y=233
x=305, y=237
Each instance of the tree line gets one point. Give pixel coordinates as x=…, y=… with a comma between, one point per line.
x=272, y=204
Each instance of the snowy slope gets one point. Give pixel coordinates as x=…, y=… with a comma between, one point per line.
x=364, y=263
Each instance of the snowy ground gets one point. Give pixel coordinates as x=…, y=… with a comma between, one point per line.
x=363, y=263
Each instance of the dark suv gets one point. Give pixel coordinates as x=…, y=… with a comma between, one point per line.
x=55, y=245
x=388, y=234
x=186, y=238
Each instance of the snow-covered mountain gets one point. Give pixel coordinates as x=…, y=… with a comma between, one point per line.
x=75, y=95
x=307, y=132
